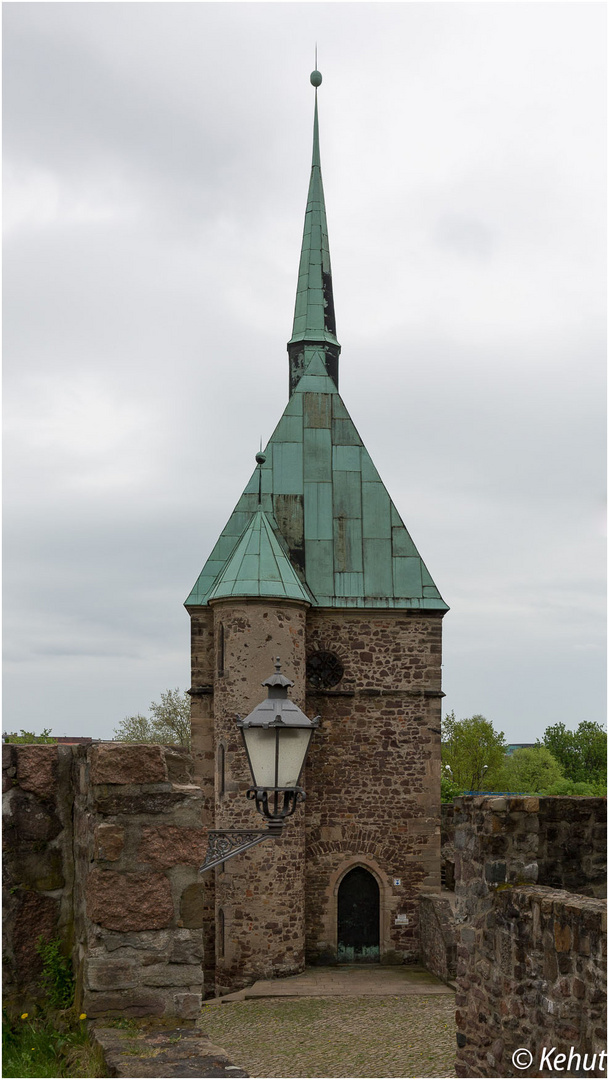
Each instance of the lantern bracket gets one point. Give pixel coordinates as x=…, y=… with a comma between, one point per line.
x=223, y=844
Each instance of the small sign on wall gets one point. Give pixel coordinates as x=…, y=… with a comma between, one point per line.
x=401, y=919
x=397, y=881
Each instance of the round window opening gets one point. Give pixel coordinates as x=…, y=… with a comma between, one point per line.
x=324, y=670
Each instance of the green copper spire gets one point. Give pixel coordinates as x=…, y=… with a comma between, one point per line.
x=314, y=321
x=258, y=567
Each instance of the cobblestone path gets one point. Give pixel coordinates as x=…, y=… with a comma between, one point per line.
x=406, y=1037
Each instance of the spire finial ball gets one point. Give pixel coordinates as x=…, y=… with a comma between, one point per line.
x=316, y=78
x=260, y=458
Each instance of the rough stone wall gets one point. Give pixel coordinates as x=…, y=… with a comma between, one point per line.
x=530, y=968
x=260, y=894
x=373, y=772
x=38, y=864
x=573, y=845
x=203, y=663
x=102, y=848
x=438, y=935
x=138, y=843
x=448, y=845
x=519, y=839
x=532, y=976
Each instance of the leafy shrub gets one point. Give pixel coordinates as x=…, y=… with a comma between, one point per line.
x=581, y=788
x=57, y=978
x=449, y=790
x=30, y=737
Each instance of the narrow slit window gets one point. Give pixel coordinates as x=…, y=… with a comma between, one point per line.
x=221, y=934
x=221, y=769
x=221, y=649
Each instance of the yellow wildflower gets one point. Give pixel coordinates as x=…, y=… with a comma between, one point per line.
x=83, y=1016
x=24, y=1016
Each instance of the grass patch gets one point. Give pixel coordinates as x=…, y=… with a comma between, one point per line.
x=45, y=1046
x=123, y=1023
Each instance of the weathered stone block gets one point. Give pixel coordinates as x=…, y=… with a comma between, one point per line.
x=28, y=819
x=173, y=975
x=109, y=841
x=193, y=906
x=36, y=917
x=40, y=870
x=495, y=872
x=186, y=952
x=168, y=845
x=127, y=763
x=188, y=1007
x=180, y=765
x=562, y=937
x=37, y=770
x=136, y=1002
x=154, y=941
x=147, y=802
x=8, y=755
x=129, y=901
x=110, y=975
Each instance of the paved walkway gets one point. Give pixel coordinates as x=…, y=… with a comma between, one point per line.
x=348, y=980
x=350, y=1021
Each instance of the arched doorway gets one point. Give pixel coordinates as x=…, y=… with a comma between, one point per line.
x=358, y=918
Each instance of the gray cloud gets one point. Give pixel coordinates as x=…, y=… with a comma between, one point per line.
x=156, y=166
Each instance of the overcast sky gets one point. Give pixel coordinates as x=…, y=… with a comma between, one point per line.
x=157, y=161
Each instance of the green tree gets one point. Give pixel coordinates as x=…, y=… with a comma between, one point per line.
x=582, y=754
x=569, y=787
x=29, y=737
x=448, y=789
x=473, y=751
x=531, y=769
x=169, y=722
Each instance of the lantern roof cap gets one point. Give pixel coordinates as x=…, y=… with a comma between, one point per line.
x=277, y=710
x=277, y=679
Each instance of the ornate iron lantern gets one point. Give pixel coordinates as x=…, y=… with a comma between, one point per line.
x=276, y=736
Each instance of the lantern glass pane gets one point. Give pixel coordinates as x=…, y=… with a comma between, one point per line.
x=260, y=745
x=293, y=745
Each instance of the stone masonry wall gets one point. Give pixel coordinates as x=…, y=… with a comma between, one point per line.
x=203, y=665
x=499, y=840
x=438, y=935
x=139, y=843
x=534, y=978
x=373, y=772
x=448, y=845
x=259, y=894
x=104, y=844
x=38, y=863
x=530, y=970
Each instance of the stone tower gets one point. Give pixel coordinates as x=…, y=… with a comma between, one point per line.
x=316, y=565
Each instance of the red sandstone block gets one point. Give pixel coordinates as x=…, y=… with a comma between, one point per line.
x=37, y=770
x=129, y=901
x=109, y=840
x=168, y=845
x=127, y=763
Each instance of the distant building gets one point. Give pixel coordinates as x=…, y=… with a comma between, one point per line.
x=513, y=746
x=73, y=740
x=315, y=565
